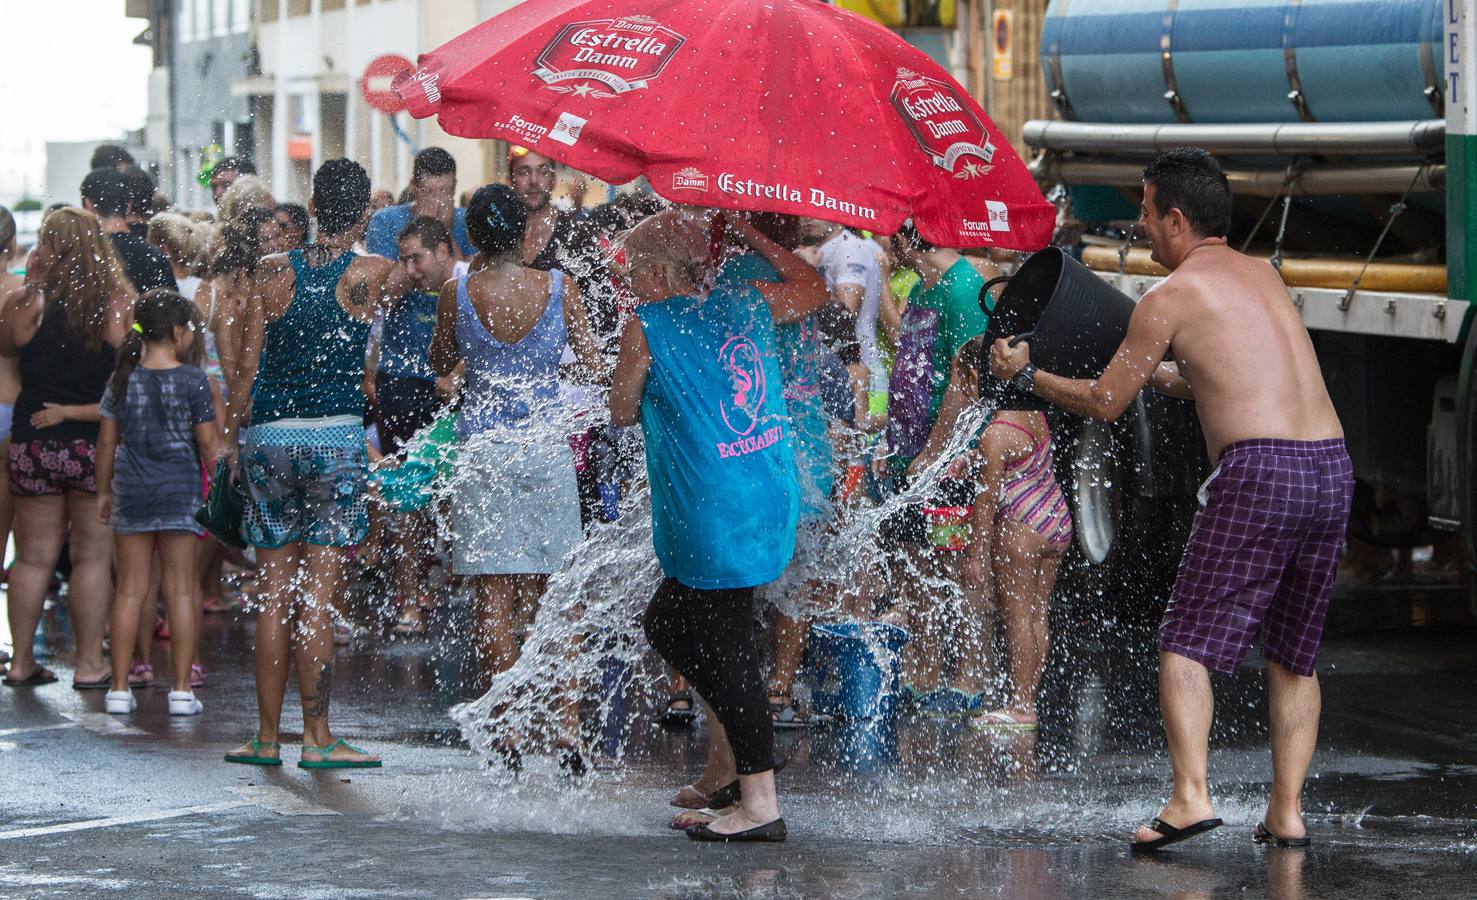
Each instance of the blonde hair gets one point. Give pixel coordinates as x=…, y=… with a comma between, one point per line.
x=85, y=275
x=245, y=193
x=677, y=241
x=181, y=239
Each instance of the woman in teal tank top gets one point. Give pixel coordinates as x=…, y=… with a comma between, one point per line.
x=698, y=371
x=303, y=467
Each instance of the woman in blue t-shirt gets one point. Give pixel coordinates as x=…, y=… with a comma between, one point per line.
x=698, y=371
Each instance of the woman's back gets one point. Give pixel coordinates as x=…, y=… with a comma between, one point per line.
x=313, y=354
x=510, y=330
x=56, y=366
x=725, y=493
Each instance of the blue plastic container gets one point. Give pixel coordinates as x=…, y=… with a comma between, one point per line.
x=865, y=745
x=854, y=669
x=615, y=677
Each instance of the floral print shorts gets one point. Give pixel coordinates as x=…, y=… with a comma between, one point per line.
x=51, y=468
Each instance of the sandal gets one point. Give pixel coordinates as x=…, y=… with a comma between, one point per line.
x=411, y=623
x=221, y=604
x=1261, y=834
x=41, y=675
x=140, y=675
x=104, y=683
x=323, y=762
x=197, y=675
x=255, y=758
x=678, y=718
x=1173, y=835
x=572, y=762
x=722, y=798
x=1004, y=719
x=770, y=832
x=785, y=714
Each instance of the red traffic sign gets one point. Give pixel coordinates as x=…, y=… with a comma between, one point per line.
x=379, y=76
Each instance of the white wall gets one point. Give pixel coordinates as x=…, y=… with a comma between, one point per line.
x=294, y=50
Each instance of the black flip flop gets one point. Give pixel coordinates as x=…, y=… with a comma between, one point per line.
x=1173, y=835
x=678, y=718
x=1261, y=834
x=102, y=684
x=769, y=833
x=41, y=676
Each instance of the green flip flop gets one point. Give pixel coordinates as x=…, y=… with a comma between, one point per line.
x=255, y=758
x=326, y=763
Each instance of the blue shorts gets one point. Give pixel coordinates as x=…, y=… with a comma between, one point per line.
x=305, y=485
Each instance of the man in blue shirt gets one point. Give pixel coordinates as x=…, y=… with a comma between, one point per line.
x=408, y=397
x=433, y=195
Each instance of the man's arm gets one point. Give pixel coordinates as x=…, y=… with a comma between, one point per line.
x=801, y=289
x=1107, y=396
x=849, y=296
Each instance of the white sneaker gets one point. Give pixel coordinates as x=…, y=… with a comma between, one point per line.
x=120, y=703
x=183, y=703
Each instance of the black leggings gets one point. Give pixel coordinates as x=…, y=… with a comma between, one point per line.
x=708, y=636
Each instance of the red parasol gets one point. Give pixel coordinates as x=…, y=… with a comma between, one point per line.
x=788, y=106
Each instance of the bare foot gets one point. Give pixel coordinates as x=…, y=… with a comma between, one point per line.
x=1179, y=814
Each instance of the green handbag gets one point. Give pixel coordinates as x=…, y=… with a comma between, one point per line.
x=224, y=506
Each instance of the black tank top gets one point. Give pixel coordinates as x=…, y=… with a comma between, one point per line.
x=56, y=367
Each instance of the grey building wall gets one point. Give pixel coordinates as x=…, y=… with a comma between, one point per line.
x=211, y=49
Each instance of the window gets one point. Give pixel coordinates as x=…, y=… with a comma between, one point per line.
x=185, y=26
x=202, y=19
x=241, y=15
x=220, y=15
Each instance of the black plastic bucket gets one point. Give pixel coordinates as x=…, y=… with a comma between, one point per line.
x=1073, y=320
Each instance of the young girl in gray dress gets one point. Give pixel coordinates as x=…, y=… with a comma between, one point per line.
x=158, y=424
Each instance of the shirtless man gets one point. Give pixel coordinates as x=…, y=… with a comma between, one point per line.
x=1265, y=543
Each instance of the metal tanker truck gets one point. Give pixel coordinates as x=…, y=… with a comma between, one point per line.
x=1344, y=126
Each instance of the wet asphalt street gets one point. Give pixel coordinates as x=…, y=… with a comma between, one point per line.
x=96, y=805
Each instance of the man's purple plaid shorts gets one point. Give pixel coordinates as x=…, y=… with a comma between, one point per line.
x=1262, y=555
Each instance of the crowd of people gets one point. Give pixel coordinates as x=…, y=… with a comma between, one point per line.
x=779, y=375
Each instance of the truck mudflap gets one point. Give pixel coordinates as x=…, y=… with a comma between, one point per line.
x=1466, y=457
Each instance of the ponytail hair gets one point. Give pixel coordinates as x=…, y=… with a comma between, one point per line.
x=155, y=316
